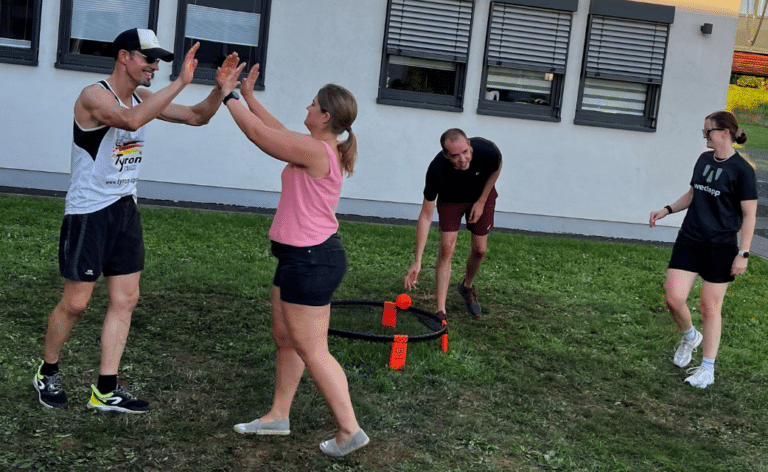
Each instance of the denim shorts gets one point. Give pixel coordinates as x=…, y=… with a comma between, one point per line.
x=309, y=275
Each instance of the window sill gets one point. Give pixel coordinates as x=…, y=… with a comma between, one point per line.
x=511, y=113
x=422, y=105
x=614, y=125
x=18, y=61
x=100, y=66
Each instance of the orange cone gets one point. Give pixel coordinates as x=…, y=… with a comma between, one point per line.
x=389, y=318
x=399, y=350
x=445, y=337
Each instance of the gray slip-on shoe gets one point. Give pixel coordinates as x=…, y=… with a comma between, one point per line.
x=279, y=427
x=333, y=449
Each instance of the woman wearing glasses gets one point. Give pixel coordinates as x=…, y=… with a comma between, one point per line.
x=721, y=201
x=311, y=257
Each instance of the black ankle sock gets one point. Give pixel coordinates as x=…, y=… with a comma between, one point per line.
x=106, y=383
x=49, y=369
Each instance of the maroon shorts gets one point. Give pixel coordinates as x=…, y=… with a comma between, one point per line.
x=450, y=214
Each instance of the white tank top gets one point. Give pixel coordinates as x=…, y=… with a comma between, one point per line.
x=105, y=164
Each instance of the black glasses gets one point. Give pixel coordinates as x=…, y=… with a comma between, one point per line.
x=148, y=60
x=705, y=132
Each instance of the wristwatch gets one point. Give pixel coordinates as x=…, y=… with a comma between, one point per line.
x=744, y=254
x=231, y=94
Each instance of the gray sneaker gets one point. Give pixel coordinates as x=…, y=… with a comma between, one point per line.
x=685, y=349
x=470, y=299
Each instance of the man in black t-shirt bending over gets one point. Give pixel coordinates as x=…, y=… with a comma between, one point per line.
x=461, y=179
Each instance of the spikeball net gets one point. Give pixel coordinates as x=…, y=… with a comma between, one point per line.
x=379, y=321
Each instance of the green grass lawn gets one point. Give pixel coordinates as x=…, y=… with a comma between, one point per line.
x=569, y=369
x=757, y=136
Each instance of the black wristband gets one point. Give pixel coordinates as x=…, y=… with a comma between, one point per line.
x=669, y=209
x=231, y=94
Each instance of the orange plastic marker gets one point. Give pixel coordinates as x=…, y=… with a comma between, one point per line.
x=389, y=318
x=445, y=337
x=399, y=350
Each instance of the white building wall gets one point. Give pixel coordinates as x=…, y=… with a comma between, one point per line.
x=557, y=177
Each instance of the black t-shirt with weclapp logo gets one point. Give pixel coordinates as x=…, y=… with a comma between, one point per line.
x=714, y=216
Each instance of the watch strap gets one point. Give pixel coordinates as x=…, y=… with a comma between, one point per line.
x=231, y=94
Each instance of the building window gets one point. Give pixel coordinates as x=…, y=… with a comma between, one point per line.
x=623, y=65
x=20, y=31
x=222, y=27
x=525, y=58
x=425, y=53
x=88, y=27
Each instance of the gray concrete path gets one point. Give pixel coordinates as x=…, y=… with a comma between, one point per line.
x=760, y=246
x=760, y=159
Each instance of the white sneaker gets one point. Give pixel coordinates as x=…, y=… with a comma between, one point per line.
x=700, y=377
x=685, y=349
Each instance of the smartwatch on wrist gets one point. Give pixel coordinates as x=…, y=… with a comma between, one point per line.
x=744, y=254
x=231, y=94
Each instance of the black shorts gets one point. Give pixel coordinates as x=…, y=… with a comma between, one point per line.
x=109, y=241
x=309, y=275
x=712, y=263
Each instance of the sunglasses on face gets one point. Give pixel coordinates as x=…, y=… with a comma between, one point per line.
x=148, y=60
x=705, y=132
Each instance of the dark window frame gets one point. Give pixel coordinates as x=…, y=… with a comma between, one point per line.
x=552, y=112
x=207, y=76
x=85, y=62
x=451, y=103
x=26, y=56
x=629, y=11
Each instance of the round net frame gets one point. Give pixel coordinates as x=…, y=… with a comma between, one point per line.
x=430, y=321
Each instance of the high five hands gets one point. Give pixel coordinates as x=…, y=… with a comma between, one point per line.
x=228, y=73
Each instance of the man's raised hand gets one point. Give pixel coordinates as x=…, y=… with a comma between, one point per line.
x=189, y=65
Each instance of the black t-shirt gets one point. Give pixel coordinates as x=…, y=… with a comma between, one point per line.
x=462, y=186
x=714, y=216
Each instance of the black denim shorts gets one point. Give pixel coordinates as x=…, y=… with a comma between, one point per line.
x=309, y=275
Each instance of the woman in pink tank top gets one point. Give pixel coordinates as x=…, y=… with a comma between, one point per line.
x=311, y=257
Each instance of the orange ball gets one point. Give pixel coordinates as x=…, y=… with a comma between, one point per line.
x=403, y=301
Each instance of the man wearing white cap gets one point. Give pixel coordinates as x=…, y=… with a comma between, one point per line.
x=101, y=232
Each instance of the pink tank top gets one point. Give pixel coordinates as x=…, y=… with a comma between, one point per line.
x=306, y=214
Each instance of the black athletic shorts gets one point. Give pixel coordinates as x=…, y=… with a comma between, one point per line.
x=109, y=241
x=712, y=263
x=309, y=275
